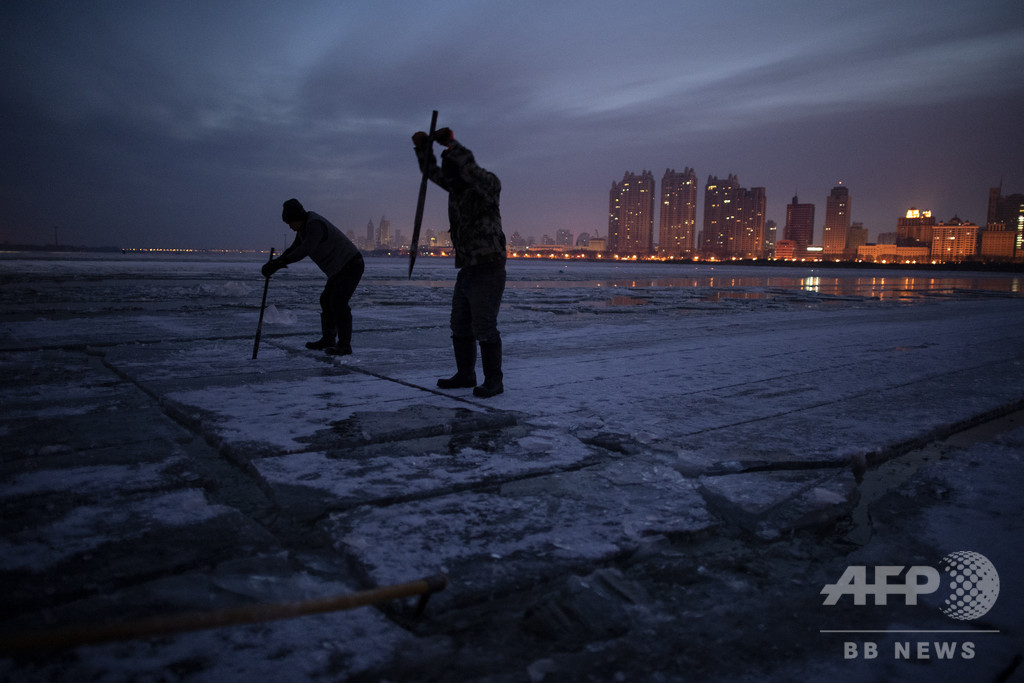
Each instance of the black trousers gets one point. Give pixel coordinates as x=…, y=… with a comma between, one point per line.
x=476, y=300
x=336, y=295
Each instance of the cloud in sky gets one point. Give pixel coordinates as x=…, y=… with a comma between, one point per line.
x=161, y=124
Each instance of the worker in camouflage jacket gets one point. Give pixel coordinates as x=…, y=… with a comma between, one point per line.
x=475, y=225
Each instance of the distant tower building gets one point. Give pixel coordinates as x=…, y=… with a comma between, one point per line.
x=385, y=233
x=995, y=196
x=799, y=226
x=915, y=229
x=1009, y=212
x=770, y=238
x=677, y=227
x=563, y=237
x=837, y=222
x=371, y=237
x=583, y=239
x=733, y=220
x=718, y=215
x=631, y=215
x=752, y=237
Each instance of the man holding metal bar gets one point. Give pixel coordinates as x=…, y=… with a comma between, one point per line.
x=340, y=261
x=475, y=225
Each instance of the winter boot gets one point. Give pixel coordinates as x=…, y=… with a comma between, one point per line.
x=465, y=365
x=327, y=337
x=490, y=358
x=343, y=325
x=339, y=350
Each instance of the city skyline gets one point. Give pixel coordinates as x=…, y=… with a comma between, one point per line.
x=734, y=226
x=160, y=124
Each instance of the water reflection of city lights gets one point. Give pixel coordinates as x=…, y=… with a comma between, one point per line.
x=703, y=281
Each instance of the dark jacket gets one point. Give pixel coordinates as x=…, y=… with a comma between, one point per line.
x=323, y=243
x=474, y=218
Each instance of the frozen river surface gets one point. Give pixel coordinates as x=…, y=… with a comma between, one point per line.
x=683, y=458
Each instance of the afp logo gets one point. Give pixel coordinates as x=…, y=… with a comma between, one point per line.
x=969, y=583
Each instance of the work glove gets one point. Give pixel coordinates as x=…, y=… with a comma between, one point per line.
x=420, y=139
x=443, y=137
x=271, y=267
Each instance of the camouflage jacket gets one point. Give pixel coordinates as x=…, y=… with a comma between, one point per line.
x=473, y=194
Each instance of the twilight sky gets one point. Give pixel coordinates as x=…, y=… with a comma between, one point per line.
x=170, y=124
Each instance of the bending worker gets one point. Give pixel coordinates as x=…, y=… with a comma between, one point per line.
x=340, y=261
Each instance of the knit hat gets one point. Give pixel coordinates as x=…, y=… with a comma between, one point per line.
x=293, y=211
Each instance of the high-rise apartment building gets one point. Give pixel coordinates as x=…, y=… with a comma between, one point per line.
x=733, y=219
x=752, y=232
x=837, y=223
x=631, y=215
x=954, y=241
x=799, y=226
x=677, y=224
